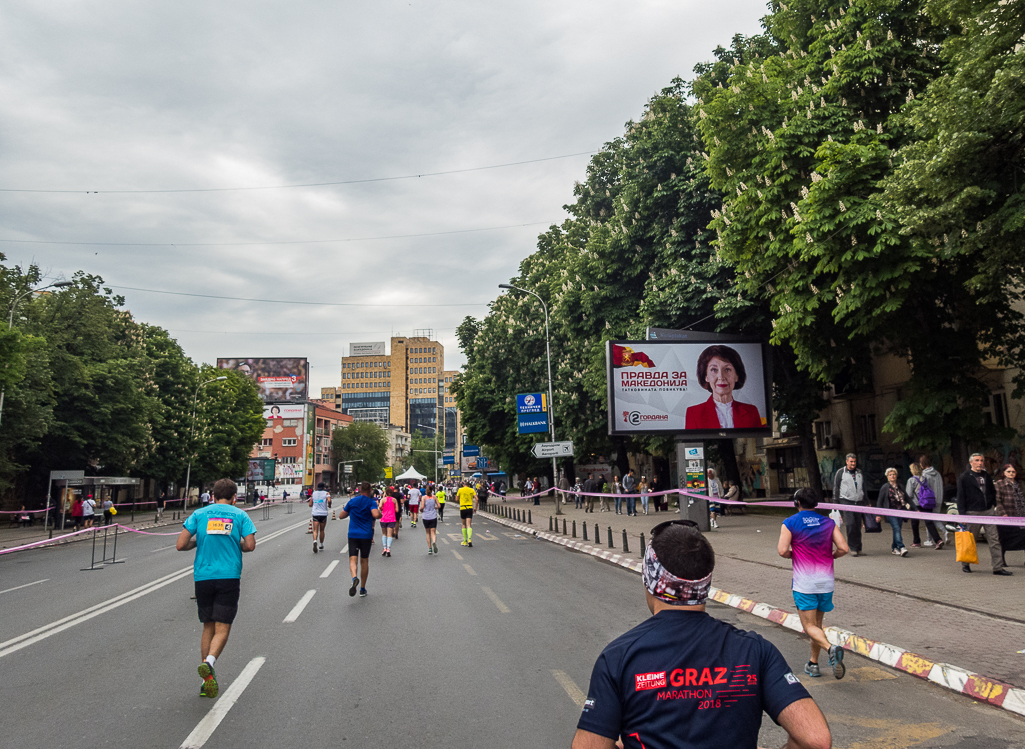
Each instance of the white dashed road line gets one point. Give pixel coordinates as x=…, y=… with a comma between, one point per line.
x=202, y=732
x=298, y=608
x=495, y=599
x=26, y=585
x=571, y=688
x=330, y=568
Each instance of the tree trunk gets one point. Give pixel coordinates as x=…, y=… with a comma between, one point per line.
x=959, y=454
x=728, y=455
x=811, y=461
x=622, y=461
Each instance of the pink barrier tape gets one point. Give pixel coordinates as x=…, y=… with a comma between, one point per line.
x=20, y=512
x=647, y=494
x=58, y=539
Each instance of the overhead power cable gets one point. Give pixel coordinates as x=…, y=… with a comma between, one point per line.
x=304, y=184
x=269, y=243
x=292, y=301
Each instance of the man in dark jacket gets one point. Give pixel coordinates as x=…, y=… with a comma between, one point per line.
x=976, y=495
x=589, y=487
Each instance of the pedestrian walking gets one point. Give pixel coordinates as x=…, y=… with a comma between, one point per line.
x=1009, y=495
x=89, y=511
x=812, y=542
x=204, y=499
x=644, y=489
x=922, y=499
x=429, y=516
x=892, y=497
x=590, y=487
x=108, y=516
x=390, y=508
x=219, y=533
x=929, y=497
x=849, y=489
x=320, y=503
x=617, y=491
x=442, y=497
x=161, y=503
x=362, y=512
x=76, y=512
x=682, y=678
x=630, y=488
x=976, y=495
x=714, y=492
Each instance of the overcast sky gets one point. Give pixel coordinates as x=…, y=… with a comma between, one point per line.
x=189, y=95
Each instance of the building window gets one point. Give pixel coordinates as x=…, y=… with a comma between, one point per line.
x=868, y=428
x=823, y=435
x=289, y=442
x=997, y=412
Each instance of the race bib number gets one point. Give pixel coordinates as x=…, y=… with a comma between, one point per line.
x=218, y=526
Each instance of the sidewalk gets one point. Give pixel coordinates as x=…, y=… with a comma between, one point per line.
x=922, y=602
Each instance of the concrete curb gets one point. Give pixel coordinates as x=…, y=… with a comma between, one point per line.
x=954, y=678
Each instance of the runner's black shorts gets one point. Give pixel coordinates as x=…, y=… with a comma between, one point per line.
x=217, y=600
x=430, y=523
x=319, y=518
x=360, y=547
x=466, y=514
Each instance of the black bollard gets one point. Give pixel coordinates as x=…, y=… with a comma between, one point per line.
x=643, y=546
x=626, y=543
x=564, y=526
x=597, y=534
x=529, y=520
x=610, y=538
x=549, y=523
x=574, y=529
x=585, y=531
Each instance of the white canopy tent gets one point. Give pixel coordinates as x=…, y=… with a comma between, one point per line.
x=411, y=474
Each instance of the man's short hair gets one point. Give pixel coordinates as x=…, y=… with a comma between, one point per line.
x=364, y=488
x=684, y=552
x=976, y=455
x=851, y=455
x=225, y=489
x=924, y=461
x=806, y=498
x=322, y=485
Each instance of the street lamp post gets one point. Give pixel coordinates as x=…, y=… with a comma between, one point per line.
x=192, y=434
x=425, y=426
x=10, y=325
x=551, y=402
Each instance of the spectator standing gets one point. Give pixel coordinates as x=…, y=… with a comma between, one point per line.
x=563, y=487
x=849, y=489
x=617, y=491
x=629, y=488
x=1010, y=497
x=590, y=487
x=108, y=516
x=892, y=497
x=923, y=497
x=604, y=489
x=89, y=511
x=714, y=493
x=976, y=495
x=76, y=512
x=644, y=488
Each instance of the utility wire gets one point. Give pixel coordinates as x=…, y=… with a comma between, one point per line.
x=292, y=301
x=306, y=184
x=286, y=242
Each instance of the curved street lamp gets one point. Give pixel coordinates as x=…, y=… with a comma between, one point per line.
x=10, y=323
x=192, y=433
x=551, y=401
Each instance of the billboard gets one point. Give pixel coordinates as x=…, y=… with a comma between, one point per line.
x=278, y=380
x=260, y=469
x=366, y=349
x=477, y=463
x=532, y=413
x=691, y=388
x=284, y=411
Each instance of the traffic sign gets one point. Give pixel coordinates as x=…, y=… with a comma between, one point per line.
x=553, y=449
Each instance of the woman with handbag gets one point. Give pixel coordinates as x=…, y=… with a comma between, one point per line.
x=892, y=497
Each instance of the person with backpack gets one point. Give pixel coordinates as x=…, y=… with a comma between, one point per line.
x=923, y=499
x=932, y=479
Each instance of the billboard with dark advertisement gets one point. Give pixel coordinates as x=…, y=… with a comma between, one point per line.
x=278, y=380
x=694, y=388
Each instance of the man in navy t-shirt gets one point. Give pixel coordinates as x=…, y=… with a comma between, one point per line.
x=362, y=512
x=685, y=679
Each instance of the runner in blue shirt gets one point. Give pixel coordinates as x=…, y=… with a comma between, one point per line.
x=685, y=679
x=362, y=512
x=219, y=533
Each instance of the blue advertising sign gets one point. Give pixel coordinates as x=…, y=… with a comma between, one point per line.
x=448, y=459
x=531, y=403
x=471, y=451
x=532, y=423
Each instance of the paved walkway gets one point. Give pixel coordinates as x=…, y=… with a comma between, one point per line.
x=922, y=602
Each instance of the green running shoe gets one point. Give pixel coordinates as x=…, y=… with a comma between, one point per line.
x=209, y=688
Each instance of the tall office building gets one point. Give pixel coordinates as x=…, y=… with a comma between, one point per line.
x=403, y=387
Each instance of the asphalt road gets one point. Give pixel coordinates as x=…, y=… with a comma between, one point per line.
x=490, y=646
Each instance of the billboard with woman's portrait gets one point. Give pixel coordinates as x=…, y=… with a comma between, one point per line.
x=693, y=388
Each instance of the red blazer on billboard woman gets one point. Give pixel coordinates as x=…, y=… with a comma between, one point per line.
x=721, y=371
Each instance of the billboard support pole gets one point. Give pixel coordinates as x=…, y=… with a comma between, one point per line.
x=697, y=509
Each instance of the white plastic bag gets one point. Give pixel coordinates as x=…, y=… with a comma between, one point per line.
x=836, y=517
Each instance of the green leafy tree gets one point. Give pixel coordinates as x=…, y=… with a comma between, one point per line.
x=422, y=454
x=229, y=421
x=361, y=441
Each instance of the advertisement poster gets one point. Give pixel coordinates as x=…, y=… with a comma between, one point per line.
x=367, y=349
x=260, y=469
x=532, y=413
x=284, y=411
x=311, y=423
x=697, y=389
x=278, y=380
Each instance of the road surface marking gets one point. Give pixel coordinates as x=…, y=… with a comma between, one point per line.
x=344, y=549
x=163, y=548
x=275, y=534
x=469, y=569
x=572, y=689
x=445, y=541
x=495, y=599
x=330, y=569
x=458, y=555
x=202, y=732
x=26, y=585
x=298, y=608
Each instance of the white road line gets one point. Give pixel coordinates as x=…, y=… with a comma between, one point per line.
x=495, y=599
x=571, y=689
x=469, y=569
x=330, y=568
x=48, y=630
x=163, y=548
x=458, y=555
x=26, y=585
x=445, y=541
x=202, y=732
x=298, y=608
x=345, y=549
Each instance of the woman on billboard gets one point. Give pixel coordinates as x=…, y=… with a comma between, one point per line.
x=721, y=371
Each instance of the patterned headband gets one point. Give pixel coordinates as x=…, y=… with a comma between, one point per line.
x=667, y=587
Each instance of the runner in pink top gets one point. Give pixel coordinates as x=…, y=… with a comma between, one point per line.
x=389, y=506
